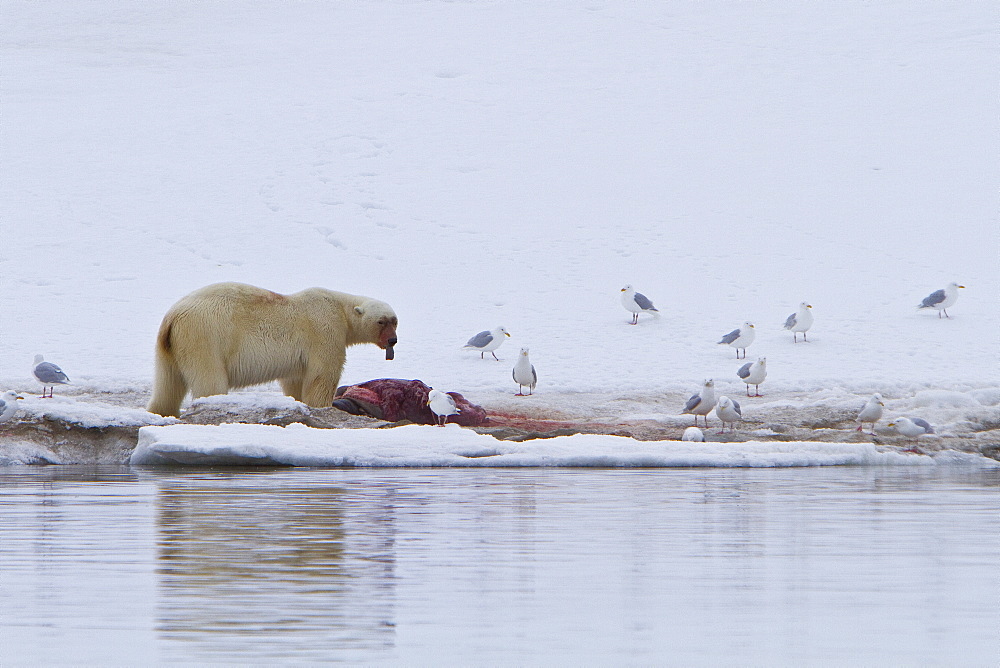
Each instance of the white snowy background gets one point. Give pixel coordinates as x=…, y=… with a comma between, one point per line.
x=516, y=163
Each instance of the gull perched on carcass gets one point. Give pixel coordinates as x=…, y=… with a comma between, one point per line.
x=442, y=405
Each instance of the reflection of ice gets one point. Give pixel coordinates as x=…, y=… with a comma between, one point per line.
x=239, y=557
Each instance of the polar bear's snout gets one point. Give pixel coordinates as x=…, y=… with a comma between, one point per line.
x=388, y=340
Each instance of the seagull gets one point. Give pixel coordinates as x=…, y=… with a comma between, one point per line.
x=488, y=341
x=800, y=321
x=693, y=434
x=701, y=403
x=442, y=405
x=728, y=410
x=524, y=374
x=912, y=427
x=636, y=303
x=8, y=405
x=740, y=338
x=753, y=373
x=942, y=299
x=871, y=412
x=49, y=375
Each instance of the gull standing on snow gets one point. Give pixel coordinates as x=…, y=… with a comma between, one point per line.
x=942, y=299
x=800, y=321
x=728, y=410
x=701, y=403
x=524, y=374
x=8, y=405
x=740, y=338
x=693, y=434
x=753, y=373
x=636, y=303
x=49, y=375
x=871, y=412
x=442, y=405
x=912, y=427
x=488, y=341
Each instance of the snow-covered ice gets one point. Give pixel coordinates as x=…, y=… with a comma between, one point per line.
x=731, y=158
x=453, y=446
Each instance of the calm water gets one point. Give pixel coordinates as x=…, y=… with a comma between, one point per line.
x=833, y=566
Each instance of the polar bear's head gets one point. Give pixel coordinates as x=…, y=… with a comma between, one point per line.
x=377, y=325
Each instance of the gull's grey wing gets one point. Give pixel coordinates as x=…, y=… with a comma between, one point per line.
x=481, y=340
x=692, y=403
x=731, y=336
x=920, y=422
x=744, y=370
x=790, y=322
x=643, y=302
x=47, y=372
x=3, y=405
x=534, y=376
x=933, y=299
x=736, y=405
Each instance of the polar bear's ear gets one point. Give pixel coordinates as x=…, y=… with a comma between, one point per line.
x=359, y=310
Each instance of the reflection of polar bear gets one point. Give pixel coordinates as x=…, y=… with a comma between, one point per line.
x=232, y=335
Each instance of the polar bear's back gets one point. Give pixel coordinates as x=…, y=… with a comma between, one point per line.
x=256, y=335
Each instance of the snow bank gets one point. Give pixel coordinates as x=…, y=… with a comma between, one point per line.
x=88, y=413
x=426, y=446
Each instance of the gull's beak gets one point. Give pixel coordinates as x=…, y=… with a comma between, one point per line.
x=507, y=334
x=961, y=286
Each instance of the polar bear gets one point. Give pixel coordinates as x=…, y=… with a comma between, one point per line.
x=230, y=335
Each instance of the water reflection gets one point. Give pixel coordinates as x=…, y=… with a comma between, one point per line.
x=269, y=561
x=682, y=567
